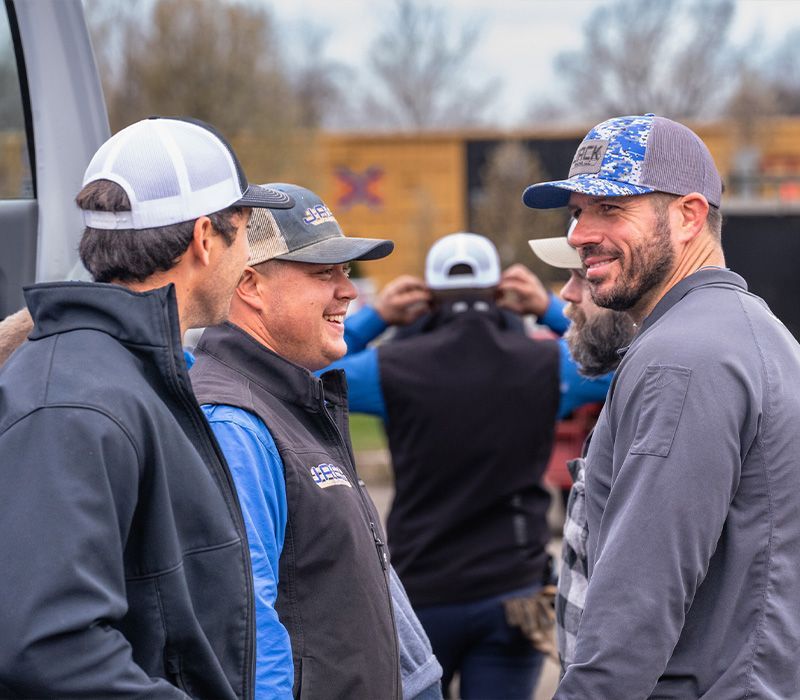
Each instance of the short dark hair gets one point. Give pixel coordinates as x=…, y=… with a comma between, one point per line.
x=714, y=221
x=661, y=201
x=127, y=255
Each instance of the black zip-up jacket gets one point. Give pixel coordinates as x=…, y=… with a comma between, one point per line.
x=125, y=566
x=333, y=590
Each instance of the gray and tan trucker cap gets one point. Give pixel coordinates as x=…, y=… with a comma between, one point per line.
x=173, y=170
x=307, y=232
x=634, y=155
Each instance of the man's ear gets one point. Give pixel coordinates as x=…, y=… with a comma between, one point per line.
x=249, y=289
x=202, y=239
x=691, y=211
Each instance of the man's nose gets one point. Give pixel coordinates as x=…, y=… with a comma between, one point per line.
x=584, y=232
x=345, y=289
x=572, y=291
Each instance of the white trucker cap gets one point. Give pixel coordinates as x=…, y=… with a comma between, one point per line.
x=462, y=261
x=173, y=170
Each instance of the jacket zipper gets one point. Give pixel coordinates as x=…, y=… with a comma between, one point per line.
x=380, y=547
x=202, y=426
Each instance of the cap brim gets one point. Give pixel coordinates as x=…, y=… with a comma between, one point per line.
x=265, y=198
x=340, y=249
x=551, y=195
x=556, y=252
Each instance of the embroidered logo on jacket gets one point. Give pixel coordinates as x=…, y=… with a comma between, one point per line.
x=326, y=475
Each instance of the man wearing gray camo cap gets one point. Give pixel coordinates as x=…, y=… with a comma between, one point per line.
x=691, y=477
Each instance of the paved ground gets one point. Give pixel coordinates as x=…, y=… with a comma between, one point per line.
x=382, y=495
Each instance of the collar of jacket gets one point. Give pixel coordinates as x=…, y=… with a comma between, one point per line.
x=243, y=354
x=472, y=310
x=708, y=276
x=138, y=318
x=704, y=277
x=147, y=320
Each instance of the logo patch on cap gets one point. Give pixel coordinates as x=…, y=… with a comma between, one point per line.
x=589, y=157
x=325, y=475
x=317, y=215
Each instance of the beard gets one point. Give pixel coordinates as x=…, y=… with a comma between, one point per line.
x=593, y=341
x=649, y=265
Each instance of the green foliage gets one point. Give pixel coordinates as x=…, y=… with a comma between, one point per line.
x=366, y=432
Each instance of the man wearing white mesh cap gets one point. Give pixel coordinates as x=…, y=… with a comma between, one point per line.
x=691, y=477
x=126, y=567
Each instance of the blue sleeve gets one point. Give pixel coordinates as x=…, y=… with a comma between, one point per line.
x=257, y=471
x=363, y=382
x=577, y=390
x=554, y=317
x=361, y=328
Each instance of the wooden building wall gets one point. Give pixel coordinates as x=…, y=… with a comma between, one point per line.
x=414, y=188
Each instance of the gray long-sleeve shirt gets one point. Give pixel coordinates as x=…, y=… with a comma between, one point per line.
x=693, y=495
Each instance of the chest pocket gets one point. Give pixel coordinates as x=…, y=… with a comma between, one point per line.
x=664, y=394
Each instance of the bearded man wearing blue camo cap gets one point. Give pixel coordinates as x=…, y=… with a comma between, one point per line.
x=692, y=474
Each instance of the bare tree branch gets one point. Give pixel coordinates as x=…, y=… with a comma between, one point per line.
x=672, y=57
x=421, y=64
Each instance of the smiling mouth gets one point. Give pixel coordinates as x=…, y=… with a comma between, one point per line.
x=334, y=318
x=595, y=265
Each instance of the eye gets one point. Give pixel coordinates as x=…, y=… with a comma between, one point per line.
x=346, y=270
x=607, y=208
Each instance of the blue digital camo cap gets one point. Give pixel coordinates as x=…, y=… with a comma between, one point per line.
x=634, y=155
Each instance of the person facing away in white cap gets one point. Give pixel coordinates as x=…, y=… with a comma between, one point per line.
x=124, y=546
x=693, y=540
x=469, y=405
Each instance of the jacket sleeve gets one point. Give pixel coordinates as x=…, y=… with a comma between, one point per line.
x=554, y=317
x=362, y=328
x=419, y=669
x=364, y=392
x=257, y=471
x=676, y=465
x=70, y=482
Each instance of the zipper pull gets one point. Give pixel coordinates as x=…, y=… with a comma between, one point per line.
x=379, y=545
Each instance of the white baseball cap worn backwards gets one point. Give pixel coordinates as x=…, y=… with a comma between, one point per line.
x=462, y=261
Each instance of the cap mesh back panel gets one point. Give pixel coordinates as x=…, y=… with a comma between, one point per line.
x=265, y=237
x=678, y=162
x=205, y=160
x=143, y=154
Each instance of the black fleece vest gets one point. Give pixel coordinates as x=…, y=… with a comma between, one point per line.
x=471, y=407
x=333, y=594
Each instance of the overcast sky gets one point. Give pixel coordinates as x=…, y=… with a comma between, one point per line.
x=519, y=40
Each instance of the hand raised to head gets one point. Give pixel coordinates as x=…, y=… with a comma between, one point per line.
x=403, y=300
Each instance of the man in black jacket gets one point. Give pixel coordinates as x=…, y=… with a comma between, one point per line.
x=125, y=562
